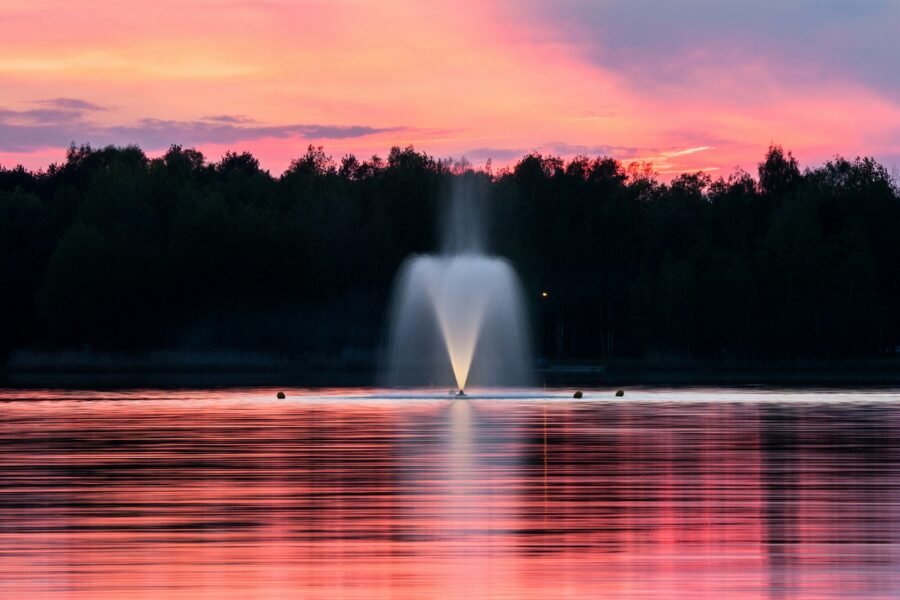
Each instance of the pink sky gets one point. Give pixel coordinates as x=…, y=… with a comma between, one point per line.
x=699, y=88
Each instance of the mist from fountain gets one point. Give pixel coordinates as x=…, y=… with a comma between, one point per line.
x=458, y=317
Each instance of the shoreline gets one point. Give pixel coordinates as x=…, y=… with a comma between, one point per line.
x=232, y=369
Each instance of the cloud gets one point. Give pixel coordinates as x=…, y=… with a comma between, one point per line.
x=565, y=149
x=160, y=133
x=71, y=104
x=62, y=121
x=556, y=148
x=685, y=152
x=27, y=138
x=710, y=46
x=229, y=119
x=37, y=116
x=498, y=154
x=53, y=111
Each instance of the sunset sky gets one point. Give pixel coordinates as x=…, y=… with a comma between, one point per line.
x=688, y=85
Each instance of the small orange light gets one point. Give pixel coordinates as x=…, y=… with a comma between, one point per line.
x=544, y=294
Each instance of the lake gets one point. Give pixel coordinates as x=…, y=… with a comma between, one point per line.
x=364, y=493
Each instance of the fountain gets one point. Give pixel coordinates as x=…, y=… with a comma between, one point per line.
x=458, y=317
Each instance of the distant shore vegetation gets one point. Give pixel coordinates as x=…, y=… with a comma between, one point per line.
x=115, y=251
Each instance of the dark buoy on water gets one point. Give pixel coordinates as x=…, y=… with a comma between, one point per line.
x=280, y=395
x=577, y=394
x=620, y=393
x=461, y=394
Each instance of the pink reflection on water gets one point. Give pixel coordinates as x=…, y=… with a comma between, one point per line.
x=354, y=494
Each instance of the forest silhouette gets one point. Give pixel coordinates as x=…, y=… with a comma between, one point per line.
x=116, y=251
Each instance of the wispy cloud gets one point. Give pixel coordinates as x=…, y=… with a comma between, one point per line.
x=685, y=152
x=53, y=111
x=73, y=104
x=236, y=119
x=61, y=121
x=157, y=133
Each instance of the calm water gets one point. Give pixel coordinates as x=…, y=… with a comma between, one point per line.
x=353, y=494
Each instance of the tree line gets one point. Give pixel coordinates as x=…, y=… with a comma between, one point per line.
x=124, y=252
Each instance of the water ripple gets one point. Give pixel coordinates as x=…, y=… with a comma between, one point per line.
x=356, y=494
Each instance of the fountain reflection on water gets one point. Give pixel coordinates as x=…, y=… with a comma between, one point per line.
x=458, y=317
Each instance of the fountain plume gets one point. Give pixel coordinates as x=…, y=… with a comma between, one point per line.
x=458, y=316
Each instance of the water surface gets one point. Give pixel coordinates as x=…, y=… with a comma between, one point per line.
x=369, y=494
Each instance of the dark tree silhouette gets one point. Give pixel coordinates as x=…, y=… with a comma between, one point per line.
x=123, y=252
